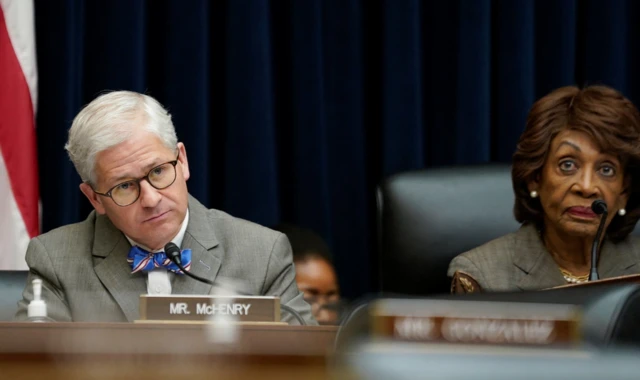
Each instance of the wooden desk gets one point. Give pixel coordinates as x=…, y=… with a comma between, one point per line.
x=159, y=351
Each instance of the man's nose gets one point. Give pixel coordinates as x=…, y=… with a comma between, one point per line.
x=149, y=195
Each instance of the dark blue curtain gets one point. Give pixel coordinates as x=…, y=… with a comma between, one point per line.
x=293, y=110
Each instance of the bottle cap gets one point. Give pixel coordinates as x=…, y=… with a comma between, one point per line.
x=37, y=307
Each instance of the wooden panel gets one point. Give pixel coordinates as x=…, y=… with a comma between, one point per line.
x=159, y=351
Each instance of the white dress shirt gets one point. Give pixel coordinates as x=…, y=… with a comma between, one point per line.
x=159, y=279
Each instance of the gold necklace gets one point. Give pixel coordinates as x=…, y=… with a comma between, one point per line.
x=573, y=279
x=568, y=276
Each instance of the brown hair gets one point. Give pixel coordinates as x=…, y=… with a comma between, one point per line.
x=604, y=114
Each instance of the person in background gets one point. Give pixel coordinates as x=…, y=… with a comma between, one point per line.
x=134, y=172
x=578, y=146
x=315, y=273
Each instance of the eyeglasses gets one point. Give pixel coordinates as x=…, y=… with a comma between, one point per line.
x=160, y=177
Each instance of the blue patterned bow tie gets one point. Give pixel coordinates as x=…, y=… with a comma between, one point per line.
x=142, y=260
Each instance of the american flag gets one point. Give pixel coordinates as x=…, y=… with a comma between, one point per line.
x=19, y=198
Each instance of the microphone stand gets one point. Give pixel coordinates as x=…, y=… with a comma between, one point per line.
x=599, y=207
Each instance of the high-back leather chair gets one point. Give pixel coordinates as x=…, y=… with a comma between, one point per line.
x=427, y=217
x=12, y=284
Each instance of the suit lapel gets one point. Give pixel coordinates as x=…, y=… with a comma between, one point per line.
x=540, y=271
x=110, y=250
x=205, y=257
x=617, y=259
x=536, y=269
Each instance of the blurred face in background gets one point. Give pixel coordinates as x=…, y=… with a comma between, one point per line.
x=316, y=278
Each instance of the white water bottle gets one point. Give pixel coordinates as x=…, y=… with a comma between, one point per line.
x=224, y=329
x=37, y=309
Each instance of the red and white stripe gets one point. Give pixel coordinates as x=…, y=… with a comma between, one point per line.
x=19, y=214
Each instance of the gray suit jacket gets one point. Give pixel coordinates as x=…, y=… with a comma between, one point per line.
x=86, y=276
x=520, y=261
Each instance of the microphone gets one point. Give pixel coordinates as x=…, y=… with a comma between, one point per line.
x=173, y=253
x=600, y=208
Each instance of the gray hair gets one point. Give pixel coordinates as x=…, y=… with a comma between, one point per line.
x=109, y=120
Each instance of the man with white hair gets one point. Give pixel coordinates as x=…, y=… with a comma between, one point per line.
x=134, y=172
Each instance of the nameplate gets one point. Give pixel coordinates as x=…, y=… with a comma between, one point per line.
x=207, y=308
x=476, y=322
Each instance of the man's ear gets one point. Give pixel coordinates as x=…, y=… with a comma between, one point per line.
x=94, y=198
x=183, y=162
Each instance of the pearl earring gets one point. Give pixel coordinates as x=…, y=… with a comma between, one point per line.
x=533, y=194
x=622, y=212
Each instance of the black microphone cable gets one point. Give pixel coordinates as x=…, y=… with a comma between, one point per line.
x=173, y=253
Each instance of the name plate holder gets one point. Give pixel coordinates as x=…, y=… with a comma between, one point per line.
x=177, y=308
x=476, y=322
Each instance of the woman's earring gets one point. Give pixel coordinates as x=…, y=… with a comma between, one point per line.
x=533, y=194
x=622, y=212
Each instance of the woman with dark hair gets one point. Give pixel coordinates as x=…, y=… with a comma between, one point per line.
x=315, y=274
x=578, y=145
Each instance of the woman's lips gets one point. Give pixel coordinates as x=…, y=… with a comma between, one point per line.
x=582, y=212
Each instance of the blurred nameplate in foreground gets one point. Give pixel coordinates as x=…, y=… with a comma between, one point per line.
x=472, y=322
x=191, y=308
x=402, y=360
